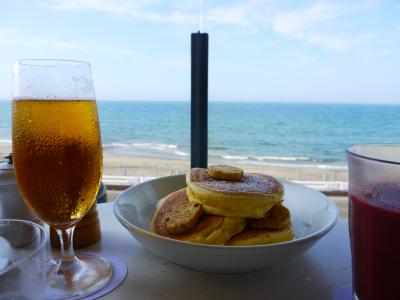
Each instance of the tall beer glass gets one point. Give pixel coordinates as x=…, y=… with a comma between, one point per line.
x=58, y=161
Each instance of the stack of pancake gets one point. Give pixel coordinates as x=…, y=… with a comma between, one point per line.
x=223, y=206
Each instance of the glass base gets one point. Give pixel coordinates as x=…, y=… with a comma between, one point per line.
x=79, y=277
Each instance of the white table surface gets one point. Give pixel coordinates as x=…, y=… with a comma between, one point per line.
x=316, y=274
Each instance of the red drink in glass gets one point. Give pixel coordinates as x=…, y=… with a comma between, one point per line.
x=374, y=220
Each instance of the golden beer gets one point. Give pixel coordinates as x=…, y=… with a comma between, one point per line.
x=57, y=157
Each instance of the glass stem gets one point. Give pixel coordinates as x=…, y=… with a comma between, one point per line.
x=66, y=243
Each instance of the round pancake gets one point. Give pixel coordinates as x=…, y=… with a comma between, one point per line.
x=277, y=218
x=250, y=237
x=210, y=229
x=182, y=217
x=249, y=197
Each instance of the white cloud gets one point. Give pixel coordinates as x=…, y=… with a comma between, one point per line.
x=115, y=6
x=251, y=13
x=136, y=9
x=300, y=56
x=316, y=24
x=298, y=23
x=178, y=11
x=230, y=15
x=12, y=37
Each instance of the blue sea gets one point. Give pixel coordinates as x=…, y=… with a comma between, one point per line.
x=260, y=133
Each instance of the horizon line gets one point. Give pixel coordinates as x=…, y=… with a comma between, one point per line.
x=248, y=101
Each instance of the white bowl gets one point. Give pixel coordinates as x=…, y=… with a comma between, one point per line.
x=313, y=215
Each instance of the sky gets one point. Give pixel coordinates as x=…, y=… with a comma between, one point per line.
x=260, y=50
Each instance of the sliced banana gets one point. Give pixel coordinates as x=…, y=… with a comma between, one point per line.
x=277, y=218
x=182, y=217
x=224, y=172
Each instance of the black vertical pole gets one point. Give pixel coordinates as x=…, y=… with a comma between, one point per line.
x=199, y=103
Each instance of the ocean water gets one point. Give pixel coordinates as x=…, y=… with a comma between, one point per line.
x=262, y=133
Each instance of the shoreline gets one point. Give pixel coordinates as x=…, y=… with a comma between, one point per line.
x=116, y=164
x=121, y=164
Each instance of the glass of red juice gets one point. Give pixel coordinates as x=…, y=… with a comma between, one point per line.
x=374, y=220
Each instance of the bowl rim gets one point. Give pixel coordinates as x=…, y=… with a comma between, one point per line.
x=308, y=238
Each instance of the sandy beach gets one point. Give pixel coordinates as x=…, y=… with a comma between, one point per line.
x=117, y=164
x=128, y=165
